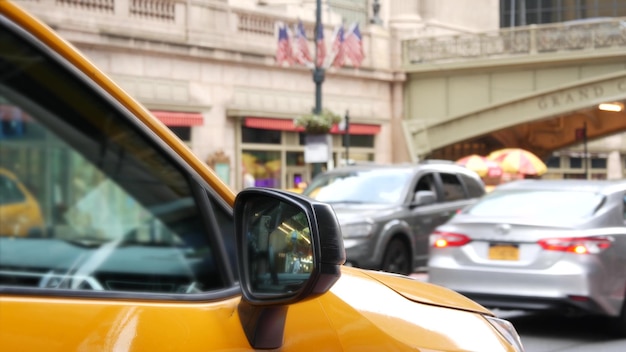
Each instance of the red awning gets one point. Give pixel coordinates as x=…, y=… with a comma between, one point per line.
x=287, y=125
x=359, y=128
x=271, y=124
x=178, y=118
x=169, y=118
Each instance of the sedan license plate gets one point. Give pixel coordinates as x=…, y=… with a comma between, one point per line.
x=503, y=251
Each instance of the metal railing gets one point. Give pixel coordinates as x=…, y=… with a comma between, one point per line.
x=528, y=40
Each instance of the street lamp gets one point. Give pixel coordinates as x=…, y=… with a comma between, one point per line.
x=581, y=133
x=318, y=71
x=346, y=135
x=318, y=78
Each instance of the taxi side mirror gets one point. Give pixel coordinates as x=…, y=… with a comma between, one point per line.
x=289, y=249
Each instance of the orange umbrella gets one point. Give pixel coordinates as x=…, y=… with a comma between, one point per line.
x=519, y=161
x=481, y=165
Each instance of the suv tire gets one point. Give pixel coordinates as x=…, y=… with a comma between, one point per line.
x=397, y=258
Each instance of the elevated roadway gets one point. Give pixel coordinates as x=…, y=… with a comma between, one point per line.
x=531, y=87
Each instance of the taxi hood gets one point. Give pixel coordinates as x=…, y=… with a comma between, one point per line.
x=421, y=292
x=372, y=306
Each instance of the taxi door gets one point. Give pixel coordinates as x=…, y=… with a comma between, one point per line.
x=138, y=250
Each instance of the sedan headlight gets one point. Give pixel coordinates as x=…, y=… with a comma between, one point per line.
x=359, y=229
x=506, y=329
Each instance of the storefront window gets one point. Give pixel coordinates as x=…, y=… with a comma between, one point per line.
x=358, y=140
x=264, y=166
x=301, y=138
x=295, y=159
x=353, y=157
x=272, y=158
x=598, y=163
x=256, y=135
x=182, y=132
x=554, y=162
x=575, y=163
x=574, y=176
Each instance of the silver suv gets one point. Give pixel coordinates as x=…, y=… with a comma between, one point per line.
x=387, y=212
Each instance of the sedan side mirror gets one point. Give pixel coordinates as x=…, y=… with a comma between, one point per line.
x=289, y=249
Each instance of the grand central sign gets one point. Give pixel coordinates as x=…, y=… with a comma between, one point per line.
x=588, y=95
x=424, y=135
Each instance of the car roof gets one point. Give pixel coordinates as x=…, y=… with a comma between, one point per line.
x=438, y=165
x=596, y=186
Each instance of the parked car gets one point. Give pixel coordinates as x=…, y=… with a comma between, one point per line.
x=387, y=212
x=555, y=245
x=152, y=252
x=20, y=214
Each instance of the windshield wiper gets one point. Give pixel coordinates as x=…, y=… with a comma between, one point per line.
x=87, y=242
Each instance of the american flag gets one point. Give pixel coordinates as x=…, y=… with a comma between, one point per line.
x=353, y=45
x=302, y=54
x=283, y=51
x=338, y=48
x=321, y=47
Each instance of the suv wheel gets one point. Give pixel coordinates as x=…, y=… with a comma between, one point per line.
x=397, y=258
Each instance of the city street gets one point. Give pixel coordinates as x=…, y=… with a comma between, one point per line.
x=550, y=333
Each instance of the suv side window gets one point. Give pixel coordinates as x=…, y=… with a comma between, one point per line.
x=107, y=209
x=452, y=187
x=426, y=182
x=474, y=188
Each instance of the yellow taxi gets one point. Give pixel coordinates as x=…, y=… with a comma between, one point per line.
x=20, y=214
x=152, y=252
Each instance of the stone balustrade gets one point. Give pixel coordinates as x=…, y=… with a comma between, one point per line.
x=199, y=26
x=528, y=40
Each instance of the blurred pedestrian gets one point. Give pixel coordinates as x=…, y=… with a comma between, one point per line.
x=248, y=178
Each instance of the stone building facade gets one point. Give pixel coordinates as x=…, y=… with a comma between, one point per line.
x=207, y=69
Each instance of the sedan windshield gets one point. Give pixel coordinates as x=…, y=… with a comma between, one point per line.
x=538, y=204
x=371, y=186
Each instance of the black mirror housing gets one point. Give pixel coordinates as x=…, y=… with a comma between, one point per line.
x=289, y=249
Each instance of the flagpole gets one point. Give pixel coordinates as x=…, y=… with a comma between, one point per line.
x=318, y=71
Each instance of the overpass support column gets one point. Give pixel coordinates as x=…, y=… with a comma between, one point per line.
x=399, y=145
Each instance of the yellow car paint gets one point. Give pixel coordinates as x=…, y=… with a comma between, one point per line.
x=20, y=218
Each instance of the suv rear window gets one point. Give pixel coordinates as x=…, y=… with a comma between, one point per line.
x=474, y=188
x=452, y=187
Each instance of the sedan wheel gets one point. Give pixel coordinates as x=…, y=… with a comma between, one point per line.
x=618, y=324
x=397, y=258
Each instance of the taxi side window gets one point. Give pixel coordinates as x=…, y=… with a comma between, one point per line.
x=104, y=209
